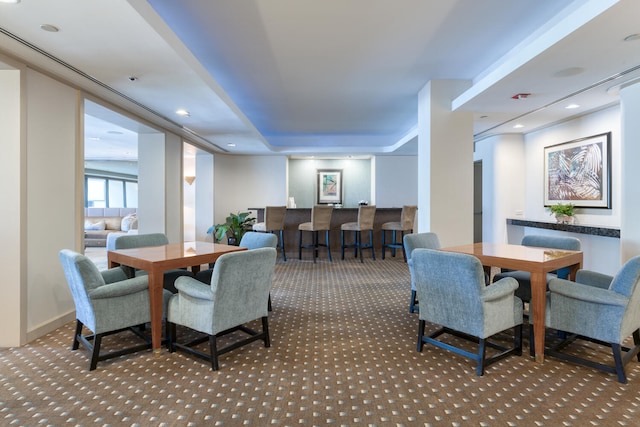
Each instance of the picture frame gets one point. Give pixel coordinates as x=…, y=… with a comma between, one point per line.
x=329, y=186
x=578, y=172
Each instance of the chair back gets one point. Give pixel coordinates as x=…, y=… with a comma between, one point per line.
x=419, y=241
x=366, y=216
x=450, y=285
x=240, y=284
x=82, y=277
x=554, y=242
x=254, y=240
x=141, y=240
x=321, y=217
x=407, y=216
x=274, y=217
x=625, y=282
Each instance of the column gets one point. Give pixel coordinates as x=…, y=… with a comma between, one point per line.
x=445, y=164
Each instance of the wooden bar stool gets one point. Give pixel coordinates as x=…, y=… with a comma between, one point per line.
x=366, y=215
x=405, y=225
x=273, y=221
x=320, y=221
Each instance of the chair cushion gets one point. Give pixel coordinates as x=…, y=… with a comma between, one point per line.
x=392, y=226
x=260, y=226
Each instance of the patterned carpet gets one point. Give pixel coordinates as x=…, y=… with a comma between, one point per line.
x=343, y=353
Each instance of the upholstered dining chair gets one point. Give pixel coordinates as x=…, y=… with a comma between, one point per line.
x=106, y=302
x=320, y=221
x=598, y=308
x=417, y=241
x=541, y=241
x=273, y=221
x=457, y=299
x=131, y=241
x=404, y=226
x=250, y=240
x=237, y=295
x=366, y=216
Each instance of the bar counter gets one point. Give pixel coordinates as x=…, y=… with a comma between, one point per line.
x=297, y=216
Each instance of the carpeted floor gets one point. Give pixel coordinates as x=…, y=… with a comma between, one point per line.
x=343, y=353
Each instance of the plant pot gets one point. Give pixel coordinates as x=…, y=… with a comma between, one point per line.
x=564, y=219
x=232, y=241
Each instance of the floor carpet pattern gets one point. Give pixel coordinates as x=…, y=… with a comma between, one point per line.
x=343, y=353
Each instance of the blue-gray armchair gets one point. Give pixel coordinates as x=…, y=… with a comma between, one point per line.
x=237, y=295
x=416, y=241
x=452, y=288
x=598, y=308
x=250, y=240
x=106, y=302
x=131, y=241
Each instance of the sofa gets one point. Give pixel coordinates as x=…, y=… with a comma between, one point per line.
x=99, y=223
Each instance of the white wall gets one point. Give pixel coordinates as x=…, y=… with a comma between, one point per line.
x=396, y=181
x=174, y=225
x=503, y=183
x=13, y=309
x=593, y=124
x=514, y=181
x=53, y=177
x=242, y=182
x=152, y=189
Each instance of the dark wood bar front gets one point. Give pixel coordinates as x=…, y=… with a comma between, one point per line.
x=296, y=216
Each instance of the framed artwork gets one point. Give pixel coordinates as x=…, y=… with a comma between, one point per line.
x=578, y=172
x=329, y=186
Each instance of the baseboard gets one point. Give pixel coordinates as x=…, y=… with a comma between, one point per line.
x=51, y=325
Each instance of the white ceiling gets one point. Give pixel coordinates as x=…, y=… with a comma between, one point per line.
x=326, y=77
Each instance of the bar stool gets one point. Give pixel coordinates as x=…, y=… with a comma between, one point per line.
x=320, y=221
x=366, y=215
x=405, y=225
x=273, y=221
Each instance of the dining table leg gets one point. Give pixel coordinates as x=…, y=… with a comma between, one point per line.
x=537, y=308
x=155, y=302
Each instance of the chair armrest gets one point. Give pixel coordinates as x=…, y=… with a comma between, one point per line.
x=499, y=289
x=194, y=288
x=115, y=274
x=587, y=293
x=592, y=278
x=118, y=289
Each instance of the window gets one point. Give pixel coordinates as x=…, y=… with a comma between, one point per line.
x=102, y=192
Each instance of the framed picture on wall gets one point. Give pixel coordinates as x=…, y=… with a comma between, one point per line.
x=329, y=188
x=578, y=172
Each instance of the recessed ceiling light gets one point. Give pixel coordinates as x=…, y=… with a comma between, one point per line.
x=50, y=28
x=10, y=1
x=632, y=37
x=231, y=144
x=183, y=113
x=93, y=138
x=572, y=106
x=518, y=126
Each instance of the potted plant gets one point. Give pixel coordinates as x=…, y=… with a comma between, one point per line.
x=564, y=213
x=234, y=228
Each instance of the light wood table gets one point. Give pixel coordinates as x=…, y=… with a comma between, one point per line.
x=538, y=262
x=155, y=260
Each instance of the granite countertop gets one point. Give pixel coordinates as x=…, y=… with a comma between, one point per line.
x=593, y=230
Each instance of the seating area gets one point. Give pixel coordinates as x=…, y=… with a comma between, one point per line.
x=441, y=280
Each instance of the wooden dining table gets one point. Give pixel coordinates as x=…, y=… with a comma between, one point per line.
x=155, y=260
x=535, y=260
